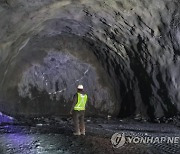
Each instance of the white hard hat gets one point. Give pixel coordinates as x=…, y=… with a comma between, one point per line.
x=80, y=87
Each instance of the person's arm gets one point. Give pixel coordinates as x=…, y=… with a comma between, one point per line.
x=86, y=102
x=74, y=103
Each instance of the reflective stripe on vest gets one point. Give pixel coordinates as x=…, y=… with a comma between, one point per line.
x=81, y=102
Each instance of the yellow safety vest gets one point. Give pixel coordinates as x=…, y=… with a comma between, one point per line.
x=81, y=102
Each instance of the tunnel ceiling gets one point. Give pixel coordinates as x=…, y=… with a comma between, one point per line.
x=125, y=53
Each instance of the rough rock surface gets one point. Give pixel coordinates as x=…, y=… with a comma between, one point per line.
x=125, y=52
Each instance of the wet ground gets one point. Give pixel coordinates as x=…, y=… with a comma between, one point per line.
x=54, y=136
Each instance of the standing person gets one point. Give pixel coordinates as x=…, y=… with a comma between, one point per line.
x=78, y=110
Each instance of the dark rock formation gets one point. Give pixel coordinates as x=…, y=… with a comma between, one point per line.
x=125, y=53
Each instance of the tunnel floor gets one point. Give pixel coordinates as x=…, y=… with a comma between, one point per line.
x=54, y=136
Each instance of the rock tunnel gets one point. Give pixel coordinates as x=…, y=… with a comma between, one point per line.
x=125, y=53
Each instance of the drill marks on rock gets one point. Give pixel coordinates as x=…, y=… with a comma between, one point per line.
x=57, y=79
x=42, y=76
x=78, y=80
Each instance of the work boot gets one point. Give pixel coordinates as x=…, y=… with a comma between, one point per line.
x=76, y=133
x=82, y=133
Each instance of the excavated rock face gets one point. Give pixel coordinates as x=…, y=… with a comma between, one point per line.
x=124, y=52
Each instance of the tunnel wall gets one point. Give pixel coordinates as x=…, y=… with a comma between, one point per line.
x=125, y=53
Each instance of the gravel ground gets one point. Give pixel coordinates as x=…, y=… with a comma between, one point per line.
x=54, y=136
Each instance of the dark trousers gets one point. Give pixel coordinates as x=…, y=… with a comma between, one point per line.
x=78, y=119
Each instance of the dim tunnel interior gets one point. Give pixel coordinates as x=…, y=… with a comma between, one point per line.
x=127, y=64
x=48, y=67
x=125, y=53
